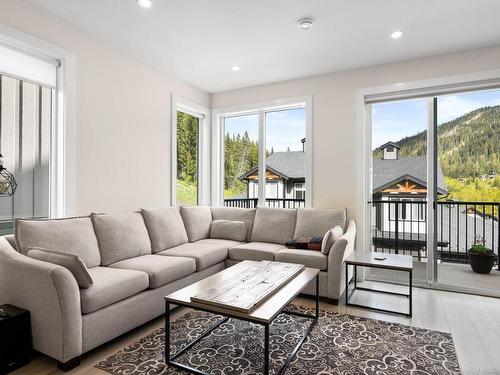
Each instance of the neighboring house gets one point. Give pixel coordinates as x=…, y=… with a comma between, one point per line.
x=285, y=176
x=401, y=179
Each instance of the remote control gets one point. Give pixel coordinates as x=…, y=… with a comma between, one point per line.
x=3, y=313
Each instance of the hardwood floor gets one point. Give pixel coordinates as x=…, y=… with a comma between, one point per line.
x=474, y=322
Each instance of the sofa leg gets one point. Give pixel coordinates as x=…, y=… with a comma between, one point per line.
x=69, y=365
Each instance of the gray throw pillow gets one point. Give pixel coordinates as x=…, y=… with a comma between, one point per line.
x=228, y=230
x=330, y=237
x=70, y=261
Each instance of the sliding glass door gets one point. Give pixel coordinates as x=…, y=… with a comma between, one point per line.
x=435, y=176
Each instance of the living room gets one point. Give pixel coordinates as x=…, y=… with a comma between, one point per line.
x=234, y=187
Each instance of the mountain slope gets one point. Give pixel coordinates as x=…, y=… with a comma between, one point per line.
x=468, y=146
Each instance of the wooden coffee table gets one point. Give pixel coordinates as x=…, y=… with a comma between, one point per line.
x=264, y=314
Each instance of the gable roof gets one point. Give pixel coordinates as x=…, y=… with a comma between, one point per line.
x=288, y=165
x=393, y=144
x=387, y=172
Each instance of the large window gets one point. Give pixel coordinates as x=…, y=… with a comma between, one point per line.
x=264, y=155
x=27, y=119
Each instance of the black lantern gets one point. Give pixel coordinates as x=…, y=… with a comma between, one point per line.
x=8, y=183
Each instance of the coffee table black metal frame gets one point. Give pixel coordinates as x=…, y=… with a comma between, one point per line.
x=170, y=359
x=356, y=264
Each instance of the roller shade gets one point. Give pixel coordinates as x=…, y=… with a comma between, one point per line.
x=433, y=91
x=28, y=67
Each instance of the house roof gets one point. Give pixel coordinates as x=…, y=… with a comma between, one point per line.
x=292, y=165
x=393, y=144
x=289, y=165
x=388, y=172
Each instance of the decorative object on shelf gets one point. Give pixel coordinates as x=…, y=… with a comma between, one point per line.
x=481, y=258
x=8, y=183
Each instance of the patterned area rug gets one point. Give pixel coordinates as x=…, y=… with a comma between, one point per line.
x=338, y=344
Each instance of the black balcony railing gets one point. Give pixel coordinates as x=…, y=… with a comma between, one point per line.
x=270, y=202
x=400, y=226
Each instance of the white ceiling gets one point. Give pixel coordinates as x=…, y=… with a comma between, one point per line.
x=199, y=40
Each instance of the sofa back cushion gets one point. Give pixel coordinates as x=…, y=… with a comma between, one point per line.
x=121, y=236
x=165, y=227
x=72, y=235
x=234, y=213
x=228, y=230
x=275, y=225
x=197, y=220
x=312, y=222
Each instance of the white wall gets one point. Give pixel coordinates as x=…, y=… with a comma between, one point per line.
x=335, y=139
x=122, y=148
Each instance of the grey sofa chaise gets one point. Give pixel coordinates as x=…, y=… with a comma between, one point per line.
x=136, y=259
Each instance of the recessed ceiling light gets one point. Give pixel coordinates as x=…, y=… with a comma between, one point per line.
x=305, y=24
x=235, y=68
x=397, y=34
x=145, y=3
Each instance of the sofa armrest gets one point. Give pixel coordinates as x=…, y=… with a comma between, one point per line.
x=340, y=250
x=52, y=296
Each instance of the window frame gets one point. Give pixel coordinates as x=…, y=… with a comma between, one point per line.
x=62, y=155
x=180, y=104
x=218, y=116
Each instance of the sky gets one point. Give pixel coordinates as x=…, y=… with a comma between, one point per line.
x=394, y=120
x=284, y=129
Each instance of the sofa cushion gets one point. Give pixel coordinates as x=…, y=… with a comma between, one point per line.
x=69, y=261
x=161, y=270
x=313, y=259
x=197, y=220
x=274, y=225
x=121, y=236
x=166, y=228
x=204, y=254
x=255, y=251
x=72, y=235
x=330, y=237
x=314, y=222
x=234, y=213
x=111, y=285
x=223, y=243
x=228, y=230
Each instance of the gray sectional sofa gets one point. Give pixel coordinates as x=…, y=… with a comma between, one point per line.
x=135, y=259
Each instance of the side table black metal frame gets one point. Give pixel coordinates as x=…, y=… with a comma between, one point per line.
x=170, y=359
x=356, y=287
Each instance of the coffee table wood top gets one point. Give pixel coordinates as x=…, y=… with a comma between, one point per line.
x=264, y=313
x=391, y=261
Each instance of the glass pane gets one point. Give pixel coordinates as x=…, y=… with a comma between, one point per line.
x=468, y=147
x=286, y=158
x=187, y=158
x=241, y=161
x=399, y=183
x=26, y=121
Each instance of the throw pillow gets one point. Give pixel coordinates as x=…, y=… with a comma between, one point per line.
x=330, y=237
x=228, y=230
x=72, y=262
